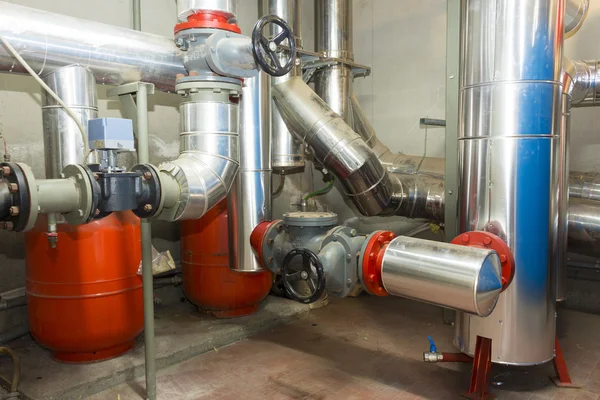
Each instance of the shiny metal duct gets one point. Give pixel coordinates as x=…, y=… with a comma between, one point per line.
x=510, y=101
x=575, y=13
x=584, y=227
x=288, y=153
x=583, y=82
x=463, y=278
x=584, y=185
x=334, y=38
x=49, y=41
x=335, y=145
x=249, y=202
x=560, y=209
x=185, y=8
x=63, y=144
x=208, y=163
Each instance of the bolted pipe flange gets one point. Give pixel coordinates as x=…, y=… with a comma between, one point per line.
x=151, y=200
x=262, y=241
x=486, y=240
x=369, y=264
x=22, y=207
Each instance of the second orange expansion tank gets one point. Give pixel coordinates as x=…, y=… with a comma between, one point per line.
x=208, y=281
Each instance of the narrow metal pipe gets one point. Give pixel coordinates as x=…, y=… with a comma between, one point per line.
x=584, y=185
x=249, y=201
x=137, y=15
x=49, y=41
x=458, y=277
x=511, y=51
x=146, y=237
x=288, y=153
x=63, y=145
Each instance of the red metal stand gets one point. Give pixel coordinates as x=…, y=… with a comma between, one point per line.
x=482, y=367
x=562, y=378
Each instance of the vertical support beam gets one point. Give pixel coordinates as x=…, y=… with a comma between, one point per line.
x=140, y=114
x=562, y=378
x=482, y=367
x=452, y=110
x=137, y=15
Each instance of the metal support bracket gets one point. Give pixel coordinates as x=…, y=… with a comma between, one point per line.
x=482, y=368
x=125, y=94
x=562, y=378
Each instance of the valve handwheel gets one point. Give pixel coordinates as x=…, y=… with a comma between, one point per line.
x=267, y=52
x=310, y=270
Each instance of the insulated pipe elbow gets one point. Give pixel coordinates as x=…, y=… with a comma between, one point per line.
x=209, y=159
x=335, y=145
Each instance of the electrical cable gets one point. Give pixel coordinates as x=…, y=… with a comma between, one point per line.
x=319, y=192
x=13, y=51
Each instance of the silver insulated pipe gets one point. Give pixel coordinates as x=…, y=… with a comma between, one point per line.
x=462, y=278
x=208, y=160
x=249, y=202
x=49, y=41
x=335, y=145
x=288, y=153
x=510, y=103
x=63, y=144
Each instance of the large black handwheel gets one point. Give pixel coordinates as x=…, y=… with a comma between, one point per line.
x=309, y=270
x=266, y=50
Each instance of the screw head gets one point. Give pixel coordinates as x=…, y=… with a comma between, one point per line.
x=487, y=241
x=13, y=187
x=148, y=207
x=465, y=238
x=14, y=211
x=97, y=212
x=270, y=242
x=5, y=170
x=147, y=176
x=96, y=176
x=270, y=260
x=9, y=226
x=304, y=275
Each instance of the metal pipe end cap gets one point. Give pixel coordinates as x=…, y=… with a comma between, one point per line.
x=489, y=285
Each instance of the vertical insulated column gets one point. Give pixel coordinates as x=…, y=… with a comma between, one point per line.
x=249, y=201
x=287, y=153
x=63, y=145
x=334, y=38
x=510, y=95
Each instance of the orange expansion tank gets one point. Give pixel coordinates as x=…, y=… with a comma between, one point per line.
x=208, y=281
x=85, y=297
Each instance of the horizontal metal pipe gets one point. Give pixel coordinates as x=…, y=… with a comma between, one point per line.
x=452, y=276
x=584, y=185
x=335, y=145
x=584, y=227
x=57, y=195
x=49, y=41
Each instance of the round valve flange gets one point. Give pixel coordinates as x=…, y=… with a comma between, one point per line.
x=309, y=270
x=267, y=52
x=208, y=20
x=370, y=261
x=486, y=240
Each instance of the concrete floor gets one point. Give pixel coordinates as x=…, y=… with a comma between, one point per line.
x=181, y=333
x=365, y=348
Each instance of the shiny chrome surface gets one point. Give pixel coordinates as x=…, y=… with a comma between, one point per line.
x=287, y=152
x=511, y=56
x=63, y=144
x=185, y=8
x=334, y=85
x=584, y=227
x=208, y=163
x=560, y=210
x=335, y=145
x=575, y=13
x=584, y=185
x=334, y=29
x=334, y=38
x=448, y=275
x=49, y=41
x=249, y=202
x=583, y=82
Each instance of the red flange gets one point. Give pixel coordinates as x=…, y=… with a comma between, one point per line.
x=208, y=19
x=486, y=240
x=257, y=238
x=372, y=260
